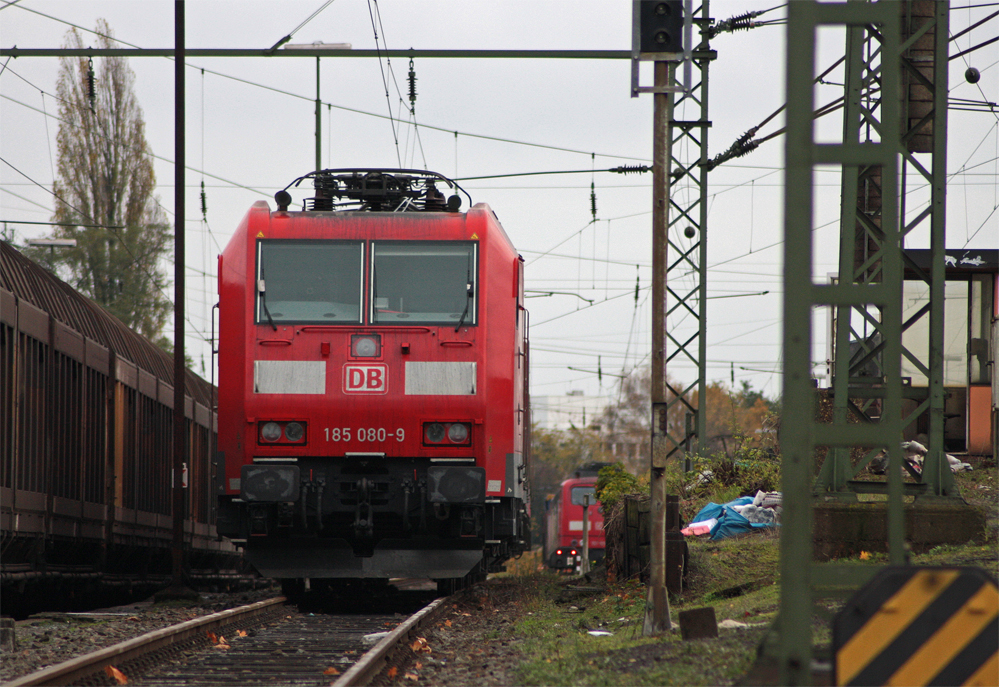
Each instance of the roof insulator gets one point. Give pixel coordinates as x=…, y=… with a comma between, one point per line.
x=631, y=169
x=412, y=87
x=91, y=87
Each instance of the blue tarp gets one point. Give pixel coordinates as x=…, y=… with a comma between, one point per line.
x=730, y=523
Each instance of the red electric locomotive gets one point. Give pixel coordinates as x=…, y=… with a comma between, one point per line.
x=563, y=549
x=373, y=415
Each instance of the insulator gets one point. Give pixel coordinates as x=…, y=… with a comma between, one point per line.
x=631, y=169
x=593, y=201
x=636, y=288
x=412, y=86
x=742, y=21
x=204, y=201
x=747, y=148
x=744, y=139
x=91, y=87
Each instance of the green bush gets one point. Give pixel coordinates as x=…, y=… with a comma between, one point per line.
x=614, y=482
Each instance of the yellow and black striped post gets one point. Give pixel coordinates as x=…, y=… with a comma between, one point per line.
x=920, y=626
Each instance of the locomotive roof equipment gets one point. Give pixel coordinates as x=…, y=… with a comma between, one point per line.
x=376, y=190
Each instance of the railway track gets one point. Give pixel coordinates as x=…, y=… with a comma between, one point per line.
x=263, y=643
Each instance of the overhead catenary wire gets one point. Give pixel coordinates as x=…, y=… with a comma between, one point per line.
x=311, y=99
x=608, y=262
x=296, y=29
x=137, y=260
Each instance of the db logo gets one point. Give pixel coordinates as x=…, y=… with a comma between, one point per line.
x=371, y=378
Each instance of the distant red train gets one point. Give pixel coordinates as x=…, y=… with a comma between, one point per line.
x=373, y=410
x=563, y=549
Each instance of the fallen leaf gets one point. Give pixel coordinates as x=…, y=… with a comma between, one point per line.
x=116, y=675
x=241, y=633
x=212, y=637
x=418, y=665
x=413, y=677
x=134, y=617
x=331, y=671
x=447, y=623
x=393, y=671
x=420, y=646
x=864, y=555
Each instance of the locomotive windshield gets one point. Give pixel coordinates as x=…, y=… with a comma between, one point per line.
x=417, y=282
x=577, y=494
x=309, y=281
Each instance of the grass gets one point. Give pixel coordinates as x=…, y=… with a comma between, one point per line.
x=738, y=577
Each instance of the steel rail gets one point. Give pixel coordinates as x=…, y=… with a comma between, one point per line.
x=78, y=668
x=372, y=663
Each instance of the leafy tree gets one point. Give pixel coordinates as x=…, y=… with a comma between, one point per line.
x=104, y=190
x=614, y=482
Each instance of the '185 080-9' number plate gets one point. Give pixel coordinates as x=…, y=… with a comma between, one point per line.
x=362, y=434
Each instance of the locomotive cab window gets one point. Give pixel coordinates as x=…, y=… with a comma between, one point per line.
x=578, y=493
x=308, y=282
x=417, y=282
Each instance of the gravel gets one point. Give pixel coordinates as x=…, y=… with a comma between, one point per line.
x=47, y=639
x=471, y=644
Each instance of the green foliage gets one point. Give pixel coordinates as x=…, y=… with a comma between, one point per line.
x=614, y=482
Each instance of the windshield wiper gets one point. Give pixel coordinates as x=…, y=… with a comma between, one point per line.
x=263, y=297
x=470, y=290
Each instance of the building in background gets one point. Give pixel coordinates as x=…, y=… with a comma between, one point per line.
x=574, y=410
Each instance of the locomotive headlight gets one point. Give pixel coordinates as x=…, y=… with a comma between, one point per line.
x=457, y=432
x=270, y=431
x=433, y=432
x=294, y=431
x=365, y=345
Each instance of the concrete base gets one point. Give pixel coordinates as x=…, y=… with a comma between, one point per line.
x=698, y=623
x=8, y=636
x=845, y=529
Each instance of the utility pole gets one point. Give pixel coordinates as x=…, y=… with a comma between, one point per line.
x=179, y=369
x=657, y=618
x=659, y=28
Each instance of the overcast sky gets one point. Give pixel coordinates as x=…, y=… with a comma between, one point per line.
x=250, y=131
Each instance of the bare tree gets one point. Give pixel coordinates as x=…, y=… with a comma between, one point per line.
x=730, y=416
x=104, y=190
